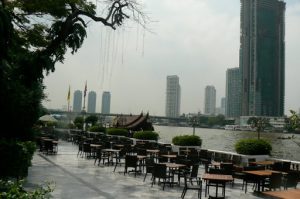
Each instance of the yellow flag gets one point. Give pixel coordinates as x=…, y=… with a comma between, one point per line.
x=68, y=97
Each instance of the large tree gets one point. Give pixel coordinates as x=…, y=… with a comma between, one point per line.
x=34, y=35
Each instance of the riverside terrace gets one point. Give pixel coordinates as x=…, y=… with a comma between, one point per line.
x=78, y=177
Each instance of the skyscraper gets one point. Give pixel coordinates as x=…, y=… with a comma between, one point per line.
x=233, y=93
x=105, y=109
x=77, y=101
x=262, y=57
x=223, y=105
x=91, y=102
x=173, y=96
x=210, y=100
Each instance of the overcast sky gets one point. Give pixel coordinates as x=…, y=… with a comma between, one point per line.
x=198, y=40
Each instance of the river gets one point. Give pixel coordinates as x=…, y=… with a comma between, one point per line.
x=224, y=140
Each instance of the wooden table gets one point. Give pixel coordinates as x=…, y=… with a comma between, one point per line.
x=261, y=176
x=285, y=194
x=219, y=180
x=174, y=165
x=169, y=156
x=153, y=151
x=266, y=163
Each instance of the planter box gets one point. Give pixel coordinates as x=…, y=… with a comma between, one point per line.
x=245, y=158
x=139, y=140
x=176, y=148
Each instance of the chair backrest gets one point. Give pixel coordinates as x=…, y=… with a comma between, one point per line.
x=149, y=164
x=286, y=166
x=216, y=171
x=228, y=167
x=291, y=179
x=277, y=166
x=203, y=154
x=159, y=171
x=131, y=161
x=194, y=172
x=275, y=180
x=251, y=161
x=236, y=159
x=251, y=168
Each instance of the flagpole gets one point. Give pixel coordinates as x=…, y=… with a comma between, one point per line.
x=84, y=95
x=68, y=98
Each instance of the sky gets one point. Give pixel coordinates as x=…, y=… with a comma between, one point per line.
x=198, y=40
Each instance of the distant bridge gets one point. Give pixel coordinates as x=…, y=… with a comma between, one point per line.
x=153, y=119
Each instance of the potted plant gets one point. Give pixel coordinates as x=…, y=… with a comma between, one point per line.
x=186, y=141
x=258, y=149
x=146, y=135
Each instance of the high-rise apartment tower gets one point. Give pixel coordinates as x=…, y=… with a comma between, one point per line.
x=173, y=96
x=233, y=93
x=105, y=109
x=262, y=57
x=210, y=100
x=91, y=108
x=77, y=101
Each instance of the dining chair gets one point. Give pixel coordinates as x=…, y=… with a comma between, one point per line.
x=160, y=172
x=189, y=185
x=131, y=161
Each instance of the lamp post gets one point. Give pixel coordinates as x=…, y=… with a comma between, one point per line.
x=194, y=125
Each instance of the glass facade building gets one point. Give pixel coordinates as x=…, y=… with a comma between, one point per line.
x=91, y=108
x=262, y=57
x=173, y=96
x=210, y=100
x=105, y=109
x=77, y=101
x=233, y=93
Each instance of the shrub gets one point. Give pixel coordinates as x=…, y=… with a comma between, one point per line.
x=10, y=190
x=146, y=135
x=15, y=158
x=253, y=147
x=187, y=140
x=117, y=131
x=97, y=128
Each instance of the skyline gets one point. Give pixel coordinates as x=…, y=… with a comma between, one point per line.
x=197, y=46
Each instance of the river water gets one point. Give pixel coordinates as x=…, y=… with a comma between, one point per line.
x=224, y=140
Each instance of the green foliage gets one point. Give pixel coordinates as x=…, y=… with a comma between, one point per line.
x=146, y=135
x=293, y=122
x=30, y=46
x=12, y=190
x=97, y=128
x=78, y=122
x=117, y=131
x=17, y=158
x=253, y=147
x=187, y=140
x=259, y=123
x=91, y=119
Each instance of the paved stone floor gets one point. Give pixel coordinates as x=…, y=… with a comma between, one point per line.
x=77, y=177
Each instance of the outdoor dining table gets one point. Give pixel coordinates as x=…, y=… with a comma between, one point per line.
x=285, y=194
x=153, y=151
x=173, y=167
x=112, y=152
x=219, y=179
x=169, y=156
x=266, y=163
x=261, y=176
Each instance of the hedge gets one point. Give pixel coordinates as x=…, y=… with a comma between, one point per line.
x=117, y=131
x=146, y=135
x=97, y=128
x=187, y=140
x=15, y=158
x=253, y=147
